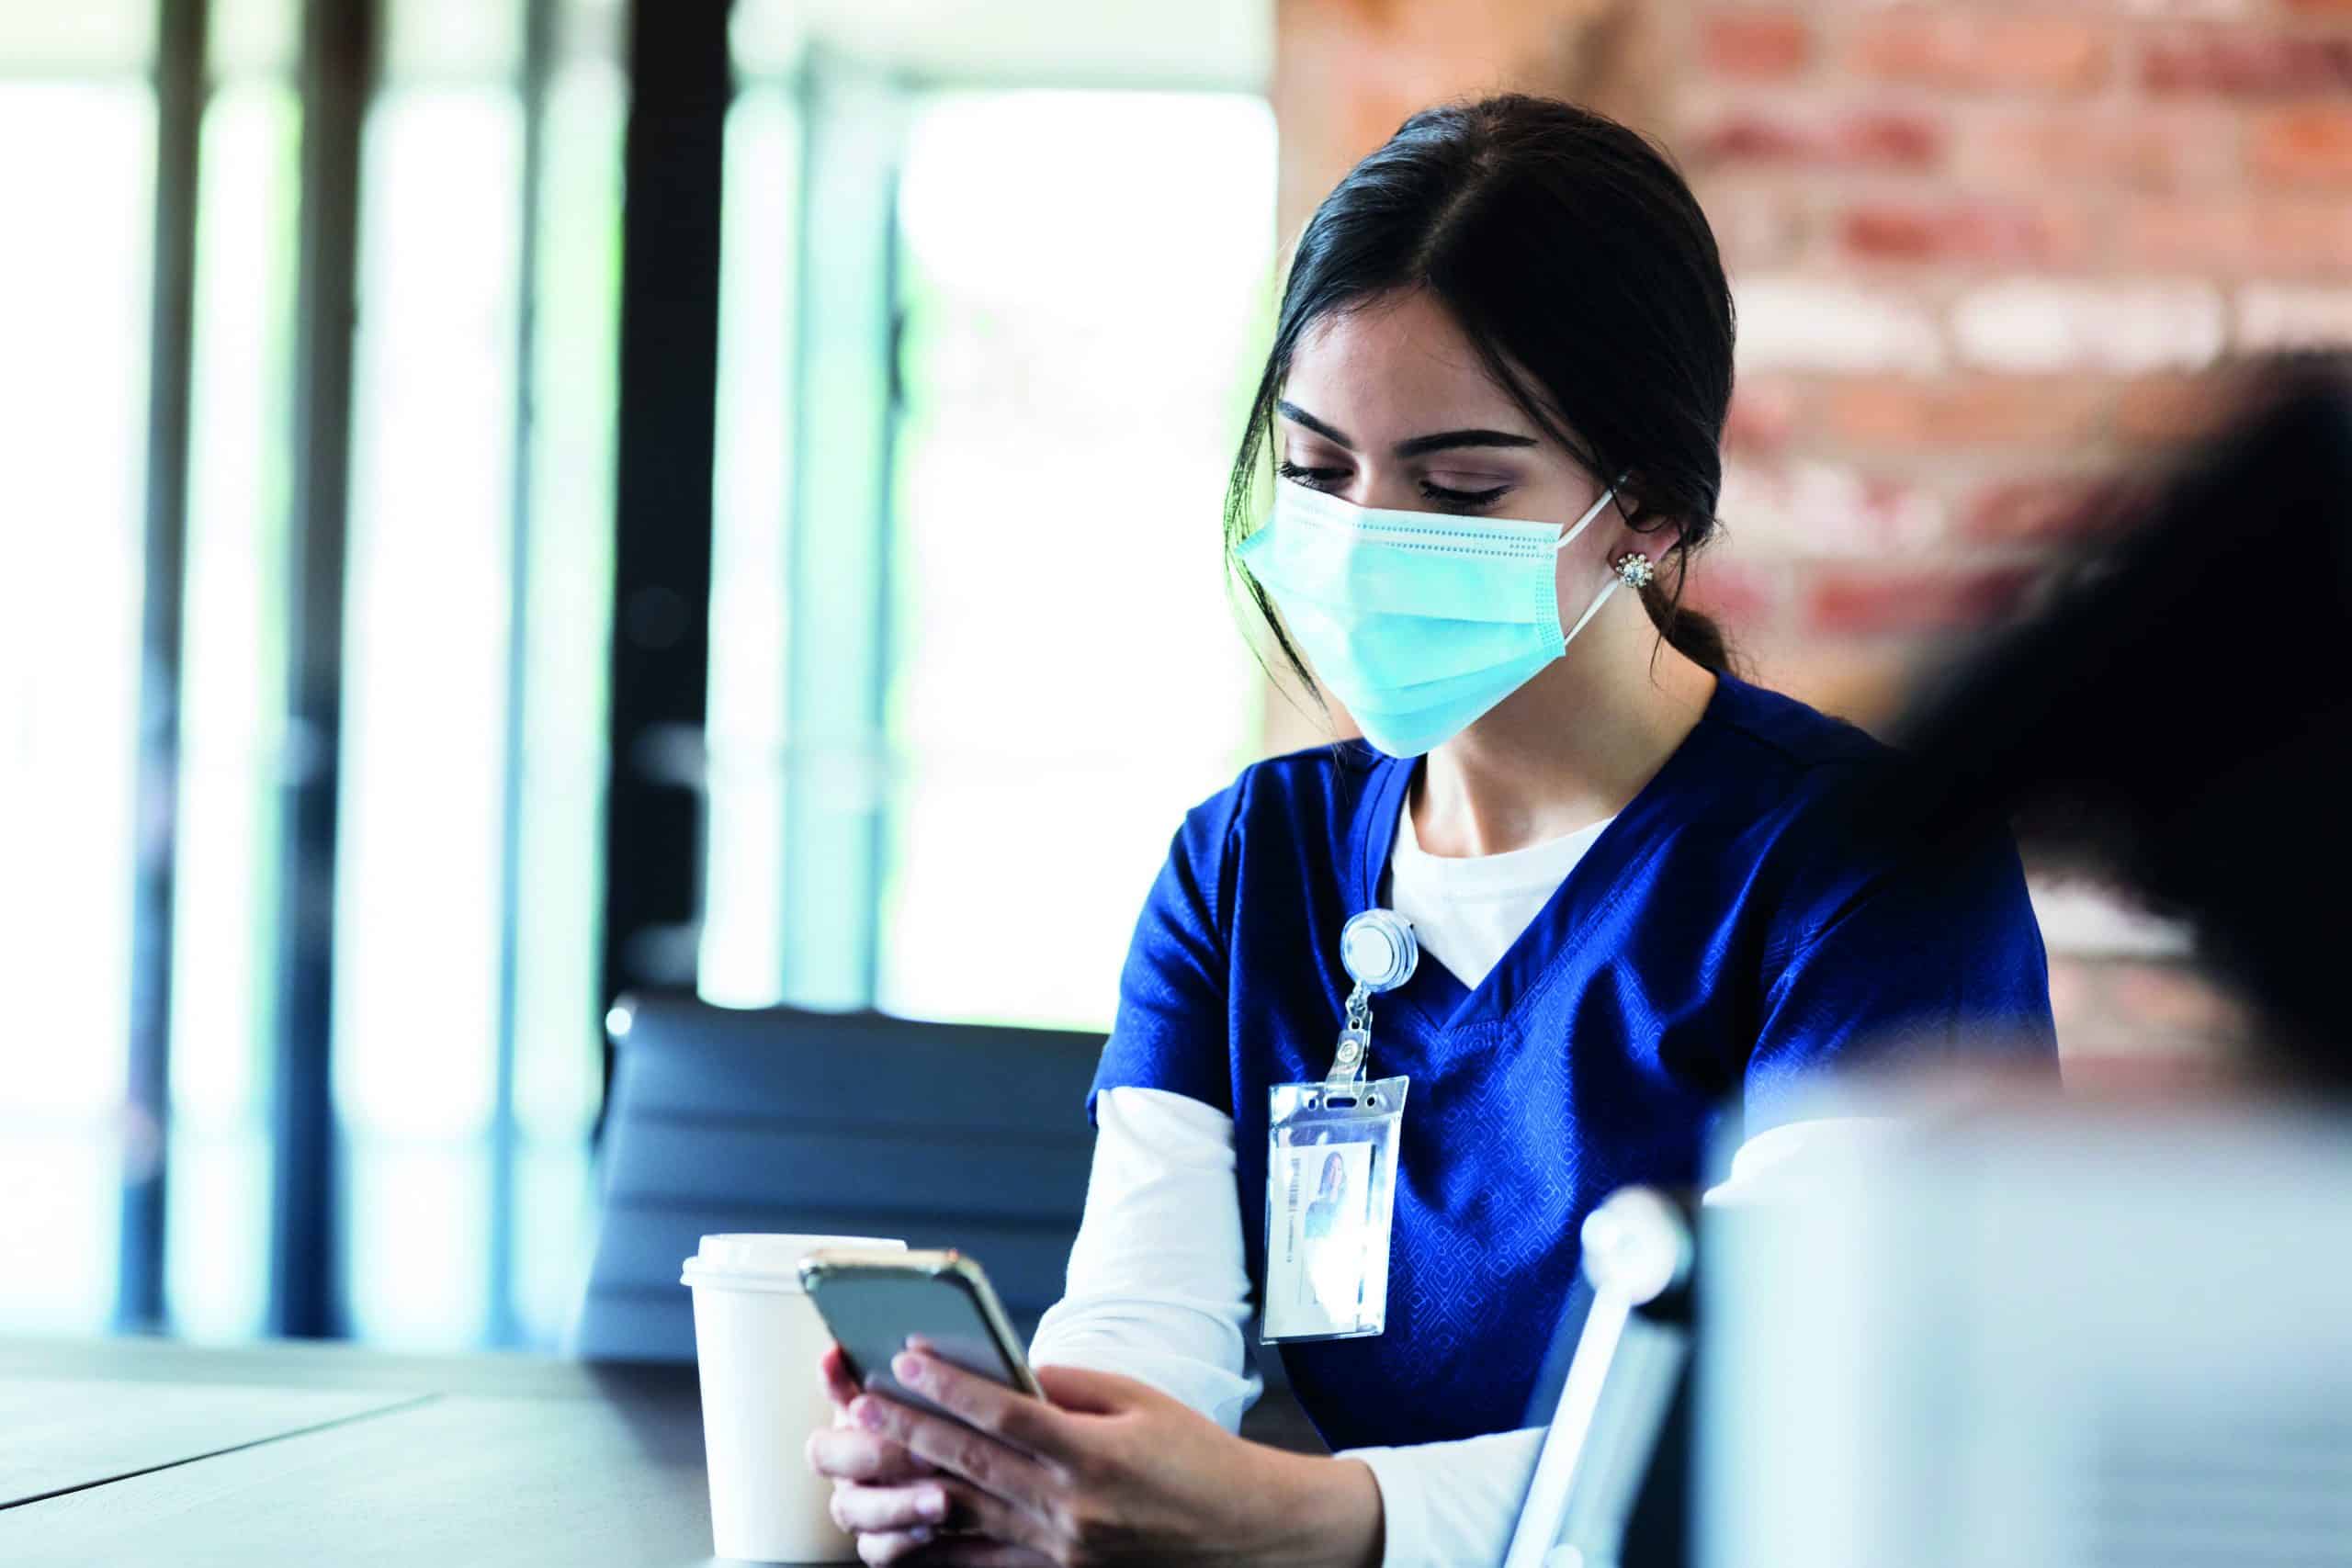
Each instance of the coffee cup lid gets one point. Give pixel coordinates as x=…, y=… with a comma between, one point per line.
x=757, y=1260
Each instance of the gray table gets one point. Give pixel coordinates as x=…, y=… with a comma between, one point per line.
x=152, y=1452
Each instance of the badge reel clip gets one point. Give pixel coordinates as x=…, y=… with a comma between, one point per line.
x=1331, y=1162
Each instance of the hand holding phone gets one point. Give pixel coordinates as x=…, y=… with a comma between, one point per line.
x=874, y=1301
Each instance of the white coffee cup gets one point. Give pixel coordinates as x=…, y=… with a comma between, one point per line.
x=757, y=1343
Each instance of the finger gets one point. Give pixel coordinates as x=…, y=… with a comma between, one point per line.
x=974, y=1551
x=867, y=1510
x=891, y=1546
x=992, y=1466
x=922, y=1511
x=1007, y=1413
x=840, y=1387
x=852, y=1453
x=974, y=1512
x=1087, y=1391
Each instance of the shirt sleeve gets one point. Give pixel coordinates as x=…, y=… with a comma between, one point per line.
x=1169, y=1030
x=1157, y=1289
x=1933, y=957
x=1451, y=1505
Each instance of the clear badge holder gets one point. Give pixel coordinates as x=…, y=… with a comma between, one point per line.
x=1331, y=1164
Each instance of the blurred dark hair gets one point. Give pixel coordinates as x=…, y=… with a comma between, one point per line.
x=2173, y=717
x=1579, y=264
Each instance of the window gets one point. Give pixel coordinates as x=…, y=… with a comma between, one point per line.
x=741, y=958
x=74, y=309
x=984, y=355
x=474, y=677
x=232, y=677
x=556, y=781
x=426, y=640
x=1083, y=283
x=472, y=691
x=1013, y=626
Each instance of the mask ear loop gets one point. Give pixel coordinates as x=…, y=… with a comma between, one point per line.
x=1611, y=586
x=1591, y=512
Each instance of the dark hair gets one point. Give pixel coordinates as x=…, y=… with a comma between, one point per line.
x=1570, y=251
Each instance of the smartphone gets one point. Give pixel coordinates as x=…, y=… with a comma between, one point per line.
x=873, y=1300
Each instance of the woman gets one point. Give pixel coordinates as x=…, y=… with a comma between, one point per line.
x=1498, y=379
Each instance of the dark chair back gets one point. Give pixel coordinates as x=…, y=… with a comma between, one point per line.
x=774, y=1119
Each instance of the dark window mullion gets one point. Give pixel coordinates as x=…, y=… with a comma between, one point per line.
x=680, y=86
x=338, y=46
x=180, y=115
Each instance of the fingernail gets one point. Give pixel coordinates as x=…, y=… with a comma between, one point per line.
x=920, y=1535
x=866, y=1413
x=908, y=1366
x=933, y=1505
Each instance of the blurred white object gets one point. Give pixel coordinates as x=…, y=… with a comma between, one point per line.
x=2067, y=1338
x=1631, y=1360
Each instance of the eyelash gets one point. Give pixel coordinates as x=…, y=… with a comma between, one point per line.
x=1314, y=478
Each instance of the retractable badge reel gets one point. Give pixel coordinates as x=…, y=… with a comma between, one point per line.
x=1331, y=1162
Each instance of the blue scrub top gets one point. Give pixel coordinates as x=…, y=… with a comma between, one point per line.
x=1726, y=938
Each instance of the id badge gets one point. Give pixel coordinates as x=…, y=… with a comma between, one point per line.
x=1331, y=1164
x=1330, y=1204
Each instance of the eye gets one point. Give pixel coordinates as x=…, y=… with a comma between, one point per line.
x=1464, y=498
x=1313, y=478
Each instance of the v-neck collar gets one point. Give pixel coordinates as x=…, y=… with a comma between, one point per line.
x=1435, y=992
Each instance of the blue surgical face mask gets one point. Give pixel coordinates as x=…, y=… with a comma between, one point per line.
x=1419, y=621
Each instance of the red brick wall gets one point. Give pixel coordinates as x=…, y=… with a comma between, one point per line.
x=1983, y=252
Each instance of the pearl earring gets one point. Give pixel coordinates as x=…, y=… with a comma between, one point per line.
x=1634, y=570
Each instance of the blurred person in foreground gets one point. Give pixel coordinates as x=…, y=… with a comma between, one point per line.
x=2169, y=722
x=2174, y=719
x=2013, y=1328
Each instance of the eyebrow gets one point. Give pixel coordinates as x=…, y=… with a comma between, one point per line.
x=1414, y=446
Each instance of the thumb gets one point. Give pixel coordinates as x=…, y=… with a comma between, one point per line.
x=1087, y=1391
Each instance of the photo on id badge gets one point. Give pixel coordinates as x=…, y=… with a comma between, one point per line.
x=1325, y=1187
